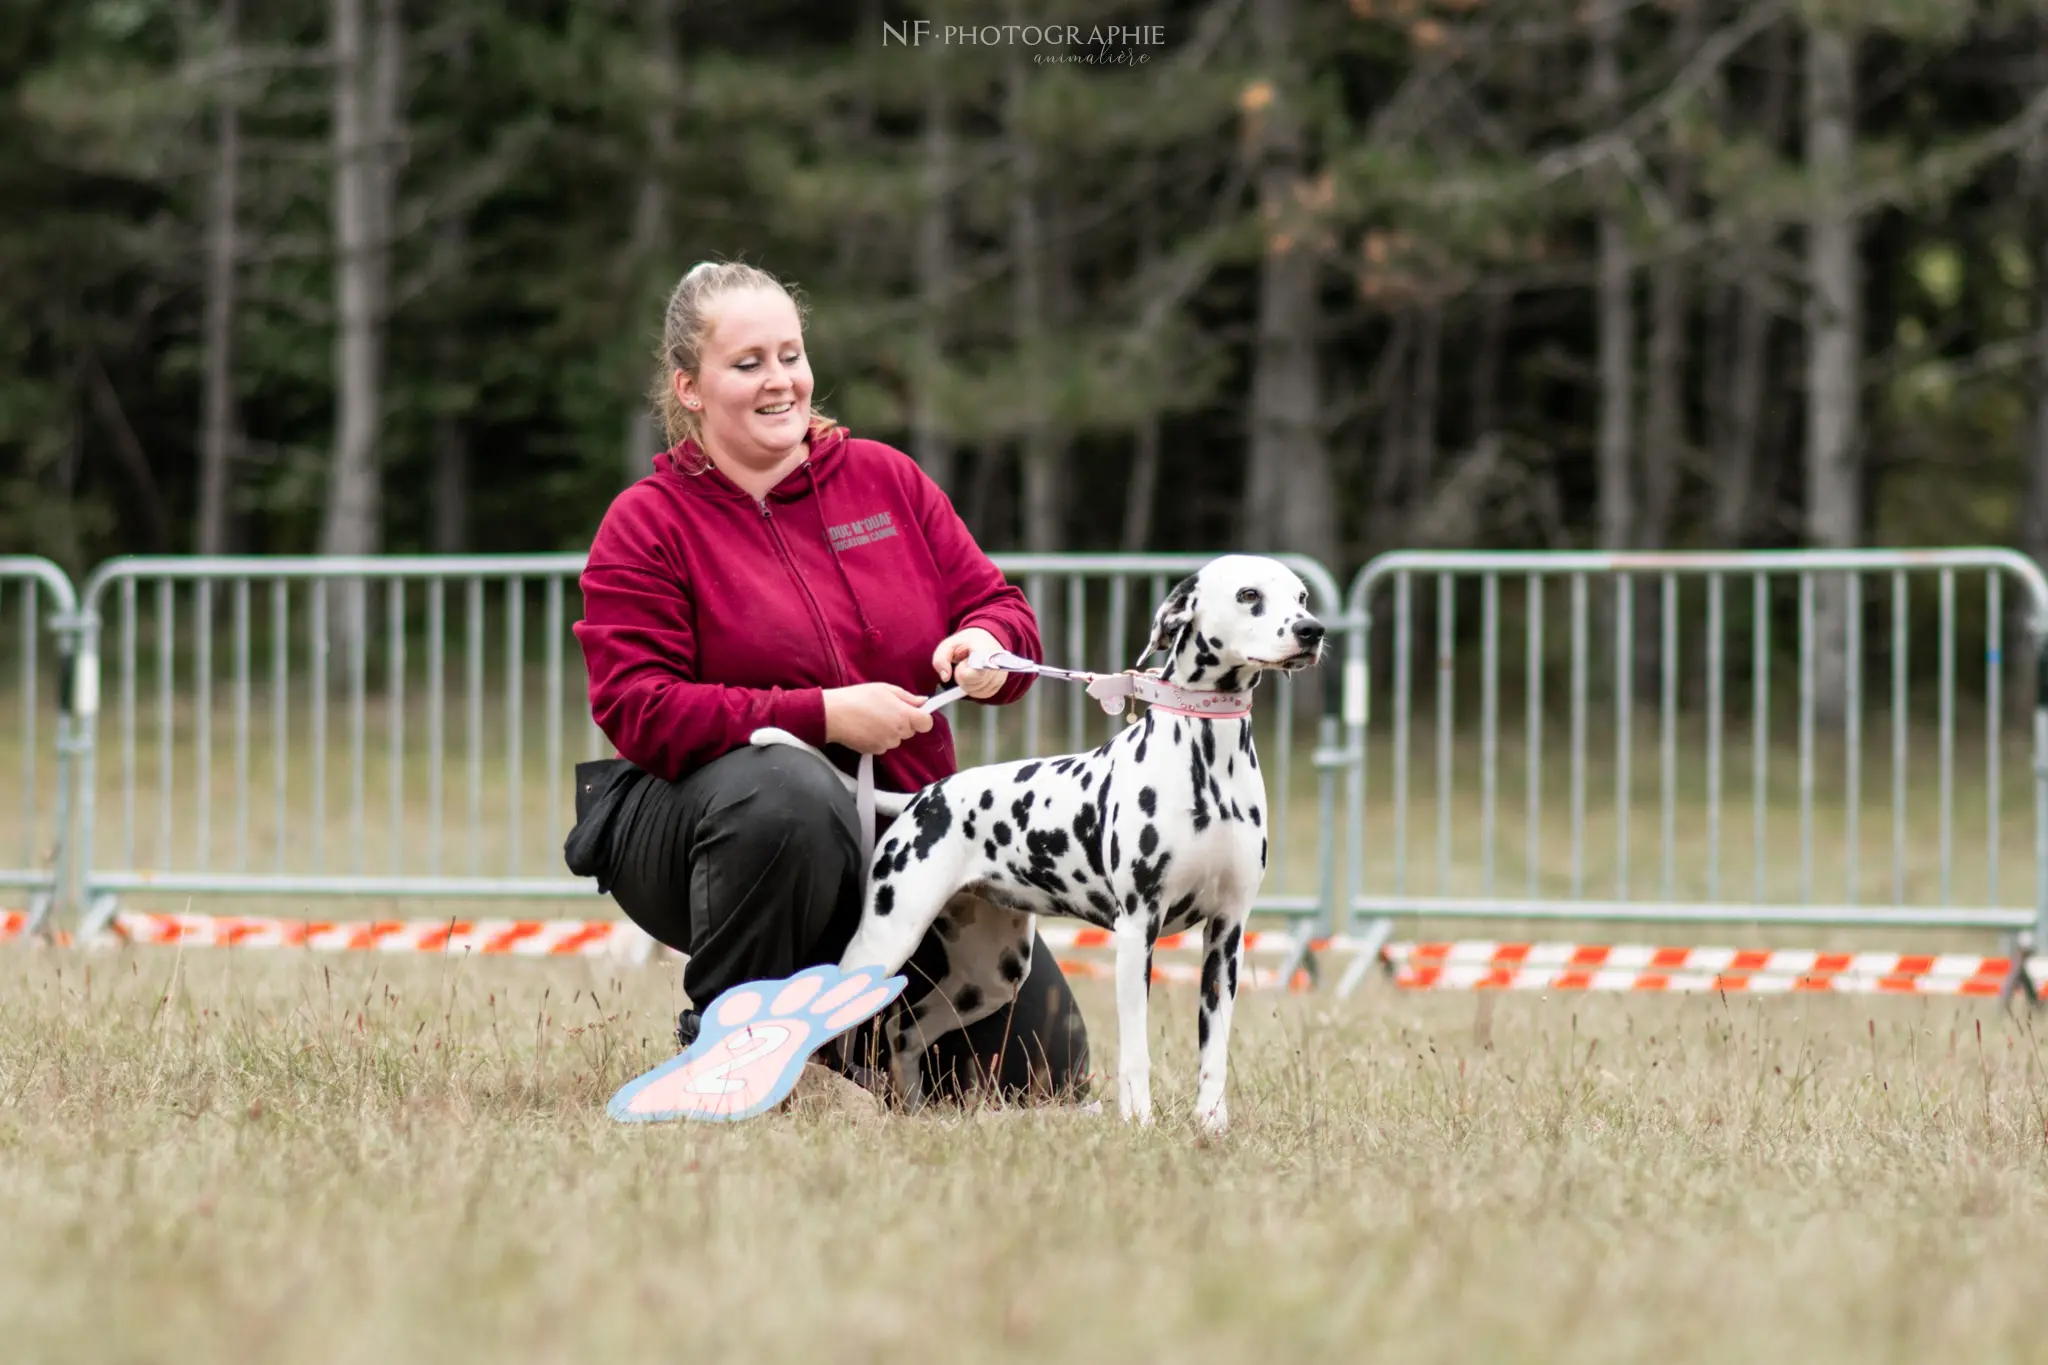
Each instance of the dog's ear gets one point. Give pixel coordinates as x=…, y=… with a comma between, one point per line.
x=1173, y=615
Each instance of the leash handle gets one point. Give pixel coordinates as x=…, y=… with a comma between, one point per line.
x=864, y=786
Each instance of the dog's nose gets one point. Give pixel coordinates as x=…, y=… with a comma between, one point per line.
x=1309, y=631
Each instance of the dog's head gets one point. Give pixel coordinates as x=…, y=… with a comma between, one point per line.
x=1233, y=619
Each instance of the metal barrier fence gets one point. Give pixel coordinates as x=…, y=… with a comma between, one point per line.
x=1795, y=852
x=36, y=596
x=394, y=727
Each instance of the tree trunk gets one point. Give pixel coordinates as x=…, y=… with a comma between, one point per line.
x=217, y=438
x=1486, y=371
x=1422, y=415
x=1143, y=489
x=1735, y=489
x=1664, y=443
x=1038, y=455
x=351, y=523
x=451, y=433
x=643, y=439
x=1616, y=305
x=2034, y=530
x=1834, y=335
x=930, y=444
x=1290, y=494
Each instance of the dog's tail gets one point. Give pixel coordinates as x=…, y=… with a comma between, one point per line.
x=890, y=804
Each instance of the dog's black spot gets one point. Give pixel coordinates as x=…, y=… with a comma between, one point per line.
x=1209, y=744
x=988, y=800
x=967, y=829
x=1212, y=979
x=1199, y=785
x=1012, y=967
x=1002, y=833
x=949, y=928
x=1116, y=850
x=1020, y=810
x=1087, y=780
x=883, y=859
x=1148, y=801
x=1088, y=834
x=1103, y=905
x=885, y=898
x=1180, y=912
x=1080, y=877
x=1262, y=853
x=934, y=817
x=988, y=849
x=1254, y=814
x=1148, y=840
x=1144, y=736
x=1259, y=607
x=1130, y=902
x=1230, y=955
x=1149, y=875
x=1176, y=732
x=1244, y=739
x=1228, y=682
x=1202, y=1028
x=1230, y=767
x=1046, y=844
x=969, y=999
x=1027, y=772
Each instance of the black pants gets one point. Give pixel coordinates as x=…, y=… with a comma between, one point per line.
x=751, y=866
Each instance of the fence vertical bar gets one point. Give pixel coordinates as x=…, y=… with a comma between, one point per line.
x=1113, y=648
x=241, y=601
x=1852, y=739
x=1899, y=639
x=553, y=776
x=1402, y=643
x=394, y=666
x=1948, y=727
x=202, y=714
x=1446, y=642
x=29, y=626
x=473, y=623
x=1760, y=708
x=437, y=697
x=1668, y=738
x=128, y=670
x=358, y=726
x=1715, y=608
x=1533, y=739
x=515, y=716
x=166, y=608
x=1994, y=655
x=280, y=707
x=1624, y=722
x=1034, y=591
x=1578, y=736
x=1807, y=649
x=319, y=666
x=1077, y=654
x=1489, y=719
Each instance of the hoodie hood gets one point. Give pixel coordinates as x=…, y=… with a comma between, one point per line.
x=828, y=451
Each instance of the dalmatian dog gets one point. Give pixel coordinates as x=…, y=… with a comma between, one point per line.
x=1161, y=829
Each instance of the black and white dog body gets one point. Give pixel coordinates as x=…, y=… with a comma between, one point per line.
x=1161, y=829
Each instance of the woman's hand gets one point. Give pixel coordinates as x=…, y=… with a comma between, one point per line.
x=976, y=682
x=873, y=718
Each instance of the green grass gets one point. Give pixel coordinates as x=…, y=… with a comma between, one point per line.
x=290, y=1158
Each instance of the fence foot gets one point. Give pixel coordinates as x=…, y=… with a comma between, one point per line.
x=1372, y=943
x=2017, y=982
x=99, y=917
x=1302, y=959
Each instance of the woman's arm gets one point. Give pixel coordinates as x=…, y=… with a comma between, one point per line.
x=977, y=594
x=641, y=654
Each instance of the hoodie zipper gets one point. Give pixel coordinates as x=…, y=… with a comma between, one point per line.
x=817, y=616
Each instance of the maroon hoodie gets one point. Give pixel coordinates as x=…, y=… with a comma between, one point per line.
x=707, y=615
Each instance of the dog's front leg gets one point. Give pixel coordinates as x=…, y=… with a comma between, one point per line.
x=1222, y=953
x=1134, y=1049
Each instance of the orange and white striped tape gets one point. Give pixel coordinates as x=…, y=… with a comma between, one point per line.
x=1465, y=965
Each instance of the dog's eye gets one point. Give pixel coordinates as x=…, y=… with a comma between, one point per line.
x=1247, y=595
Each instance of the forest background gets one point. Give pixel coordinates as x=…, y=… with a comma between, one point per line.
x=377, y=275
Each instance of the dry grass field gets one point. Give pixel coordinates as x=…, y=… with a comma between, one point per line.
x=289, y=1158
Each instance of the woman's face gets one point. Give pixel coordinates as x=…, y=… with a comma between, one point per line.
x=753, y=387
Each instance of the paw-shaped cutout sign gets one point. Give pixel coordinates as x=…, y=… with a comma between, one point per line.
x=755, y=1041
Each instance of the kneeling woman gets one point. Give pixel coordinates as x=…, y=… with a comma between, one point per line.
x=773, y=570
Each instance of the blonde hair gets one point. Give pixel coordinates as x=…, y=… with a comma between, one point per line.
x=686, y=325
